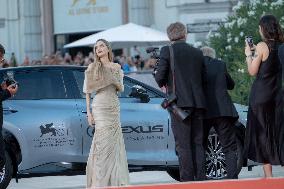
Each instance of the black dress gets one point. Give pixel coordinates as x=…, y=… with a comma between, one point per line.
x=280, y=110
x=262, y=132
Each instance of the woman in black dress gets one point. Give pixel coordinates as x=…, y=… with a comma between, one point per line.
x=262, y=133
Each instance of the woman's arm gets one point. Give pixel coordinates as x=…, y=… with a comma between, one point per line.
x=88, y=100
x=254, y=61
x=90, y=117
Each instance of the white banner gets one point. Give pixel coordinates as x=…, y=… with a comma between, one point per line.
x=73, y=16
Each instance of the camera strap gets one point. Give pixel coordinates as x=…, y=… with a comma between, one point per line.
x=172, y=64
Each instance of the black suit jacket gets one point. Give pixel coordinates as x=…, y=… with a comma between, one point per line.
x=218, y=81
x=189, y=70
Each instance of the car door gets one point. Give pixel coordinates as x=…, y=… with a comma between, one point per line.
x=45, y=116
x=144, y=125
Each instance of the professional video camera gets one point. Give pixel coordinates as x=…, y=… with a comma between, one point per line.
x=154, y=53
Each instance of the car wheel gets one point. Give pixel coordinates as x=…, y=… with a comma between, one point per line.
x=6, y=173
x=215, y=158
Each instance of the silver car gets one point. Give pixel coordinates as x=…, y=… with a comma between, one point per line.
x=45, y=122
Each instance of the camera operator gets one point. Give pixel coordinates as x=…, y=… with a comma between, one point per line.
x=221, y=112
x=5, y=93
x=188, y=84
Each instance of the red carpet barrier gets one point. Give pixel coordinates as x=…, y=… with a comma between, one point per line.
x=273, y=183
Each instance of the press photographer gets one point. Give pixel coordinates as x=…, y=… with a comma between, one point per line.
x=154, y=54
x=8, y=89
x=180, y=70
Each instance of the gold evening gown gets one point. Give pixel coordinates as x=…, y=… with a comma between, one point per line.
x=107, y=162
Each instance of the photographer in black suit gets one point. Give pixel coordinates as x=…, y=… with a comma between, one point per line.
x=5, y=93
x=221, y=112
x=188, y=77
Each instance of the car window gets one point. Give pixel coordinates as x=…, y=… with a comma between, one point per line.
x=127, y=89
x=128, y=84
x=40, y=84
x=79, y=78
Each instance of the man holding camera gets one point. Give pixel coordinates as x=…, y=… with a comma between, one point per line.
x=5, y=93
x=187, y=82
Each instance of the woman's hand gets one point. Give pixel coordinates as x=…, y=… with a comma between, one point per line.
x=91, y=120
x=254, y=60
x=164, y=89
x=3, y=85
x=12, y=89
x=248, y=49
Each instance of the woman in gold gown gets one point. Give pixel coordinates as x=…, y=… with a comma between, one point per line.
x=107, y=162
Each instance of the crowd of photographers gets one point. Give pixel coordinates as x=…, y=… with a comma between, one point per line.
x=128, y=63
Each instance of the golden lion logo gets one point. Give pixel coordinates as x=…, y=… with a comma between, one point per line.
x=90, y=2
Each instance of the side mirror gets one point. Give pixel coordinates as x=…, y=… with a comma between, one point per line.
x=139, y=92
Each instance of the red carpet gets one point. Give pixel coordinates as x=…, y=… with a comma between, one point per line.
x=274, y=183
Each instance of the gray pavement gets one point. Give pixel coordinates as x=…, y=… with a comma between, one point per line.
x=136, y=178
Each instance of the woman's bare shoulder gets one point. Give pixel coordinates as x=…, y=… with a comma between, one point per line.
x=262, y=46
x=262, y=50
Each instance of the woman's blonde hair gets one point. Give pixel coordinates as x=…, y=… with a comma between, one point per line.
x=110, y=55
x=98, y=68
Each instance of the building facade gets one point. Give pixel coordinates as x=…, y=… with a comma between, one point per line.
x=75, y=19
x=25, y=28
x=34, y=28
x=200, y=16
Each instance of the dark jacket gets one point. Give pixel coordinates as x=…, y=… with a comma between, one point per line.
x=4, y=94
x=189, y=70
x=218, y=81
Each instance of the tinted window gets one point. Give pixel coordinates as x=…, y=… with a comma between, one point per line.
x=40, y=84
x=79, y=77
x=128, y=84
x=127, y=89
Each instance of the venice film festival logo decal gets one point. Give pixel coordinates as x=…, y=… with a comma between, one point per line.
x=48, y=129
x=53, y=136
